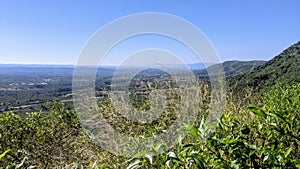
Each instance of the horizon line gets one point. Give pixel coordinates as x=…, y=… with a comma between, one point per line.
x=68, y=64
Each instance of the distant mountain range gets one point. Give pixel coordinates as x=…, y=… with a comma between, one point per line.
x=284, y=68
x=231, y=68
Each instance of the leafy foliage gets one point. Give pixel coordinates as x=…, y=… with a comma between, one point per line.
x=268, y=138
x=261, y=135
x=41, y=140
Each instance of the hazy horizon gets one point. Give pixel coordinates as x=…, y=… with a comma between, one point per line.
x=58, y=65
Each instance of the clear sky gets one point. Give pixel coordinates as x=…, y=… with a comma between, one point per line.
x=54, y=31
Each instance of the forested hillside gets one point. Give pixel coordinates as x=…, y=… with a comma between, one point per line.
x=233, y=68
x=283, y=68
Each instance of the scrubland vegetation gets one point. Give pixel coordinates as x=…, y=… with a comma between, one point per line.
x=258, y=131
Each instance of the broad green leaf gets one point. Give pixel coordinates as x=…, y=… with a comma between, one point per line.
x=288, y=152
x=192, y=130
x=266, y=157
x=222, y=166
x=257, y=111
x=172, y=155
x=134, y=164
x=168, y=164
x=141, y=154
x=160, y=147
x=3, y=154
x=253, y=147
x=199, y=162
x=149, y=157
x=231, y=141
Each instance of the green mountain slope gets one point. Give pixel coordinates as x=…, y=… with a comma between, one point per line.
x=232, y=68
x=283, y=68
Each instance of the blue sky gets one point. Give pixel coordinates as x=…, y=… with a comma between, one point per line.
x=54, y=32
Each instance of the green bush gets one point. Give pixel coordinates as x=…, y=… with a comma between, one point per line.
x=41, y=139
x=266, y=137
